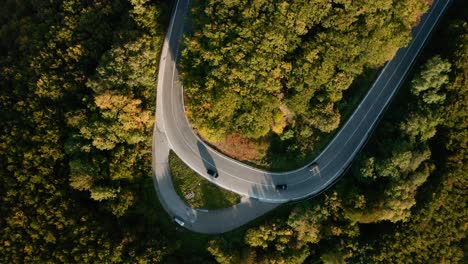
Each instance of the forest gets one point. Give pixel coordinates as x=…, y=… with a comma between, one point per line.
x=275, y=72
x=77, y=108
x=77, y=101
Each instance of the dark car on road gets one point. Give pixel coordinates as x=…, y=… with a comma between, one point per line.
x=212, y=173
x=281, y=187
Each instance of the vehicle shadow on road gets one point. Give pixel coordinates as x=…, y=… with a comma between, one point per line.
x=208, y=161
x=210, y=194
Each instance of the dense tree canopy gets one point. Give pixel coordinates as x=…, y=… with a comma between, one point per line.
x=75, y=111
x=404, y=160
x=77, y=85
x=249, y=66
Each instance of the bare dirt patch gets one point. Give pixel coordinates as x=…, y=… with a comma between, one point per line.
x=241, y=148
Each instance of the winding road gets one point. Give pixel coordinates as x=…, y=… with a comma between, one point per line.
x=172, y=131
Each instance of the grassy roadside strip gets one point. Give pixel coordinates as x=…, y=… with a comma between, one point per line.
x=206, y=195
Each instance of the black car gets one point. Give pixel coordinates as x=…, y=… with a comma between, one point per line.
x=212, y=173
x=281, y=187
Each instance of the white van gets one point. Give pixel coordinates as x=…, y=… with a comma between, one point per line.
x=179, y=221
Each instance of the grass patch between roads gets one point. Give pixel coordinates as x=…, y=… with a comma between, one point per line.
x=205, y=194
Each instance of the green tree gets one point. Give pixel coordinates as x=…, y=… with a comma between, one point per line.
x=432, y=77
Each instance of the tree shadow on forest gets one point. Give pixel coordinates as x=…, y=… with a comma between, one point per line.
x=280, y=157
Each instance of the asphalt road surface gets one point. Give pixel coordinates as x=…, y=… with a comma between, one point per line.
x=173, y=131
